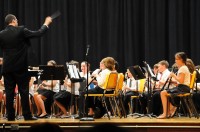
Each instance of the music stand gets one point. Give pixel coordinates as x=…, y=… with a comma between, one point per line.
x=52, y=73
x=74, y=76
x=149, y=89
x=138, y=74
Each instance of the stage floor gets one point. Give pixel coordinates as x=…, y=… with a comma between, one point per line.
x=145, y=124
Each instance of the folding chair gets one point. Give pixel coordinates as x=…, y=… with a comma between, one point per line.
x=109, y=89
x=141, y=86
x=186, y=98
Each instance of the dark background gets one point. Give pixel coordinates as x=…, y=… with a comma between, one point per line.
x=131, y=31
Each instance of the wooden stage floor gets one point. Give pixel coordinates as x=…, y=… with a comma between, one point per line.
x=144, y=124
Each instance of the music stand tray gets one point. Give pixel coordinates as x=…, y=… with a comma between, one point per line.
x=137, y=73
x=52, y=73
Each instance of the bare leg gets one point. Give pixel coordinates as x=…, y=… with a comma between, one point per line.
x=40, y=100
x=62, y=108
x=163, y=95
x=91, y=112
x=1, y=95
x=37, y=104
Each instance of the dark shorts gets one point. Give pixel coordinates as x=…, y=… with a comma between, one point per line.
x=46, y=93
x=180, y=89
x=63, y=97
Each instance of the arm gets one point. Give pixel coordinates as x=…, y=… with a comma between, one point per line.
x=40, y=32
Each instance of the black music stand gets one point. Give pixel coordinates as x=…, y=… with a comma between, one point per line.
x=52, y=73
x=75, y=77
x=138, y=74
x=149, y=93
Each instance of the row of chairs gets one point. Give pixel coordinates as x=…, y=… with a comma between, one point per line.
x=185, y=99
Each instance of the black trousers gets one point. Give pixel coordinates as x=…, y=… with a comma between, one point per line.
x=156, y=103
x=21, y=79
x=127, y=99
x=90, y=100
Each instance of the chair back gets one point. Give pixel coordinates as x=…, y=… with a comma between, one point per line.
x=141, y=85
x=111, y=81
x=120, y=81
x=193, y=79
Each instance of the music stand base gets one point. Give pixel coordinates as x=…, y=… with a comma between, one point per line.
x=148, y=115
x=87, y=119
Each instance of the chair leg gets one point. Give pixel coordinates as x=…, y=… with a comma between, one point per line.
x=111, y=104
x=122, y=106
x=117, y=107
x=193, y=107
x=104, y=102
x=182, y=106
x=187, y=106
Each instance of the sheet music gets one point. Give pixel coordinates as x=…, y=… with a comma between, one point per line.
x=75, y=71
x=71, y=71
x=150, y=71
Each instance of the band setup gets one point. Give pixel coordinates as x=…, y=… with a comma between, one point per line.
x=112, y=93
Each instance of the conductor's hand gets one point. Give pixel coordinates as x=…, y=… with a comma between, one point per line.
x=48, y=21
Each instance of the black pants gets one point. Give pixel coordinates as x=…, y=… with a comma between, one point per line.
x=127, y=99
x=90, y=100
x=156, y=103
x=20, y=78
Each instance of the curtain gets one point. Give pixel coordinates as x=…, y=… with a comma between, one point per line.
x=131, y=31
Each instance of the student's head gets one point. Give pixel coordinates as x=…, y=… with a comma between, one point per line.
x=162, y=65
x=129, y=73
x=116, y=66
x=108, y=63
x=51, y=63
x=180, y=58
x=11, y=19
x=155, y=68
x=84, y=66
x=190, y=65
x=76, y=63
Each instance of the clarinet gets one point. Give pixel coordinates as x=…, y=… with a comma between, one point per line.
x=168, y=80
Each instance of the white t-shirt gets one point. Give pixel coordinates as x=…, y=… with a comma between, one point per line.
x=184, y=69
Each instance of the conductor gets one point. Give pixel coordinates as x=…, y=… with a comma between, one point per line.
x=14, y=42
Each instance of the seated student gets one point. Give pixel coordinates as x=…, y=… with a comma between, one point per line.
x=63, y=99
x=162, y=76
x=45, y=93
x=107, y=65
x=129, y=89
x=183, y=81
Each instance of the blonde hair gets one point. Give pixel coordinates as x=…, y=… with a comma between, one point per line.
x=109, y=63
